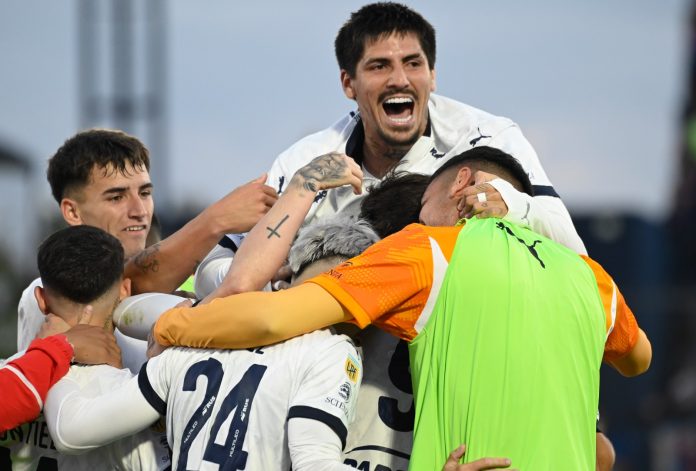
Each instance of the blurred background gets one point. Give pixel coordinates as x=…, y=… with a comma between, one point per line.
x=605, y=91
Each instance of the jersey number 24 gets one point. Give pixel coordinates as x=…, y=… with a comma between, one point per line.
x=230, y=456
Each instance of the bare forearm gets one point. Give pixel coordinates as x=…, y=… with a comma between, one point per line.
x=165, y=265
x=266, y=247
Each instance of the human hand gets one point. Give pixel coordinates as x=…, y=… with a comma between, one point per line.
x=452, y=463
x=281, y=280
x=93, y=345
x=52, y=325
x=242, y=208
x=154, y=348
x=329, y=171
x=482, y=199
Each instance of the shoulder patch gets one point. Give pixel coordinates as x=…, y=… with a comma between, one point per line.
x=352, y=369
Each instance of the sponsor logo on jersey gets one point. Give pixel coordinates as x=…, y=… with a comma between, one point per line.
x=345, y=391
x=438, y=155
x=337, y=403
x=475, y=140
x=352, y=369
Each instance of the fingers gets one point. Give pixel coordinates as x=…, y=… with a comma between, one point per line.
x=356, y=176
x=86, y=315
x=489, y=463
x=52, y=325
x=261, y=179
x=457, y=454
x=482, y=177
x=481, y=200
x=93, y=345
x=184, y=303
x=452, y=462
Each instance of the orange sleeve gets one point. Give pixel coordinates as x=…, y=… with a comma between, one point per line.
x=621, y=325
x=389, y=284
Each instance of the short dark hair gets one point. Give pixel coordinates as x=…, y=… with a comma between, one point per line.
x=80, y=263
x=378, y=20
x=71, y=165
x=395, y=202
x=490, y=159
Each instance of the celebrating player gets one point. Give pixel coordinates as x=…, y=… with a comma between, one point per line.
x=507, y=329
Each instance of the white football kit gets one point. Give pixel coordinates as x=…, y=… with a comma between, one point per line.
x=32, y=448
x=35, y=450
x=264, y=409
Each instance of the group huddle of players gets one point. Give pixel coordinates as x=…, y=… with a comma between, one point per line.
x=464, y=307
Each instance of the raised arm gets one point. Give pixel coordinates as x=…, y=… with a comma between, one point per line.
x=266, y=247
x=165, y=265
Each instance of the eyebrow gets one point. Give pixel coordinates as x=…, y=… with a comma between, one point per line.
x=122, y=189
x=417, y=55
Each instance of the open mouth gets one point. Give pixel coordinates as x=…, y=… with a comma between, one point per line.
x=399, y=109
x=135, y=228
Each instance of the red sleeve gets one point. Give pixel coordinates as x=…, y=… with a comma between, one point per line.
x=26, y=380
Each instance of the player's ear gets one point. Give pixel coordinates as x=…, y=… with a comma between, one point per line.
x=41, y=299
x=125, y=289
x=70, y=211
x=347, y=84
x=462, y=179
x=433, y=84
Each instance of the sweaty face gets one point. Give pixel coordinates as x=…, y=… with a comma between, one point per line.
x=437, y=207
x=119, y=204
x=392, y=84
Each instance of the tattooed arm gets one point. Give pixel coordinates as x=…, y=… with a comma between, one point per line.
x=165, y=265
x=266, y=247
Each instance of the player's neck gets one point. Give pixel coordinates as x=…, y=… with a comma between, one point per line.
x=379, y=158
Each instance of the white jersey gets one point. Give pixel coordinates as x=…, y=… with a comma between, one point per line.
x=381, y=437
x=453, y=128
x=30, y=318
x=35, y=450
x=231, y=406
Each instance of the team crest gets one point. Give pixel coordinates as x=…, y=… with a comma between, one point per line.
x=352, y=370
x=345, y=391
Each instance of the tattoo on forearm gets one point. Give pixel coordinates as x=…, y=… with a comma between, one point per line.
x=323, y=169
x=274, y=231
x=146, y=260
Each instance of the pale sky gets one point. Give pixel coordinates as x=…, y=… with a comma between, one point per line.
x=595, y=86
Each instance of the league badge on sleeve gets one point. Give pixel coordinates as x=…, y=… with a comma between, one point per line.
x=352, y=369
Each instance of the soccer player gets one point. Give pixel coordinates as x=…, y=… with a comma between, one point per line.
x=100, y=177
x=506, y=328
x=82, y=269
x=257, y=409
x=26, y=377
x=386, y=55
